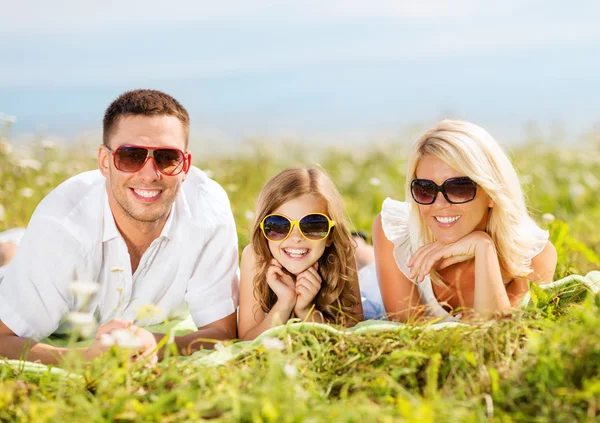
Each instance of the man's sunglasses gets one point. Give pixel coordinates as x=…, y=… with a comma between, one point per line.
x=456, y=190
x=131, y=158
x=313, y=226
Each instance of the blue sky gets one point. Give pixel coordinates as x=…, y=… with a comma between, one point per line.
x=333, y=69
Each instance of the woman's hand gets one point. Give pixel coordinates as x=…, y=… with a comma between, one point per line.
x=439, y=256
x=282, y=284
x=308, y=284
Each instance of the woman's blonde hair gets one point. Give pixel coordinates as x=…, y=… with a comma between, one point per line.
x=337, y=265
x=471, y=150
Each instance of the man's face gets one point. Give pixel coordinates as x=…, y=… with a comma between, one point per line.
x=146, y=195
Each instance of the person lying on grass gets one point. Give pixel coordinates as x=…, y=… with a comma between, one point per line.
x=301, y=260
x=147, y=227
x=463, y=240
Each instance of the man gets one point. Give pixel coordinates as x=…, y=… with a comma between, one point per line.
x=147, y=226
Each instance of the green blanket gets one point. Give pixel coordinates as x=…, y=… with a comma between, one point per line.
x=570, y=287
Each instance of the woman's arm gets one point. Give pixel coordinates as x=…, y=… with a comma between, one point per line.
x=401, y=299
x=489, y=291
x=543, y=267
x=252, y=321
x=490, y=294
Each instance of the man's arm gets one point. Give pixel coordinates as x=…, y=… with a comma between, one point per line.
x=221, y=329
x=15, y=347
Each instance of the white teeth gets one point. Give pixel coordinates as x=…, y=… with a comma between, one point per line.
x=296, y=252
x=146, y=194
x=445, y=219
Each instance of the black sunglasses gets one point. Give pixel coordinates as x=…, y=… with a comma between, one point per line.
x=455, y=190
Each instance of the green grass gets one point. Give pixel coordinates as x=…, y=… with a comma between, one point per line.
x=539, y=364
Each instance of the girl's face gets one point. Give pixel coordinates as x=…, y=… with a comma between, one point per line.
x=297, y=253
x=450, y=222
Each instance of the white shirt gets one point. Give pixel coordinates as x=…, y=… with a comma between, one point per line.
x=72, y=236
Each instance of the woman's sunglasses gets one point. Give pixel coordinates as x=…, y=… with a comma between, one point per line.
x=313, y=226
x=131, y=158
x=455, y=190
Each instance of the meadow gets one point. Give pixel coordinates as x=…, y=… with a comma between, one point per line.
x=535, y=364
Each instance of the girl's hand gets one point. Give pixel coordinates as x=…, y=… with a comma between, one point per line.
x=440, y=256
x=282, y=284
x=308, y=284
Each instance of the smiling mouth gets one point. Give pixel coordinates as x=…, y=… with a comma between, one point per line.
x=146, y=195
x=447, y=219
x=296, y=253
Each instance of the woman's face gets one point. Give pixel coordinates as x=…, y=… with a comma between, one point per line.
x=450, y=222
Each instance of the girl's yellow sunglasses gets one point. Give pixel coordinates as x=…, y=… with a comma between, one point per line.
x=313, y=226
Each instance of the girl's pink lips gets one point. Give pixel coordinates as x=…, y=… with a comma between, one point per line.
x=146, y=199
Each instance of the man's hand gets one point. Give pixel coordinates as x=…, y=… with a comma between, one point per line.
x=124, y=334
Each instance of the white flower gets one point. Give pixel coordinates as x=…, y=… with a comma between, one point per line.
x=273, y=343
x=55, y=167
x=107, y=340
x=85, y=289
x=80, y=319
x=49, y=145
x=548, y=217
x=40, y=180
x=26, y=192
x=125, y=339
x=249, y=214
x=29, y=164
x=148, y=311
x=290, y=370
x=576, y=191
x=231, y=188
x=2, y=213
x=219, y=346
x=375, y=182
x=83, y=322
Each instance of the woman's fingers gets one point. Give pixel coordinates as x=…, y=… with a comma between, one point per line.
x=429, y=262
x=419, y=257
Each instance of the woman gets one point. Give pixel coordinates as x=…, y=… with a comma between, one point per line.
x=463, y=240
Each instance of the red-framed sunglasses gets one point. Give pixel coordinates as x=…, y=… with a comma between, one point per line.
x=168, y=161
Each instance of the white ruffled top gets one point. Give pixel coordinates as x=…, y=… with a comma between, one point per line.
x=394, y=220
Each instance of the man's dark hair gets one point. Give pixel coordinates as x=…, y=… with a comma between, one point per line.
x=143, y=103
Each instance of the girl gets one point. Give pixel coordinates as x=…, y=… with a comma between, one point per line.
x=463, y=239
x=301, y=260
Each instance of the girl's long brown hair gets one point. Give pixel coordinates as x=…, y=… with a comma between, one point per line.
x=337, y=265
